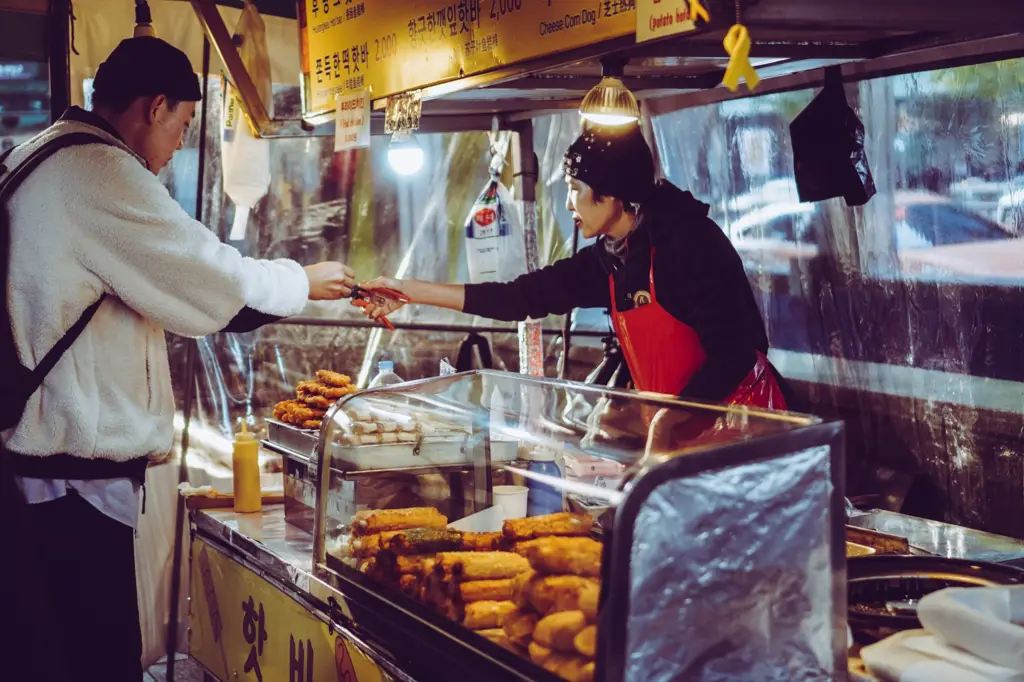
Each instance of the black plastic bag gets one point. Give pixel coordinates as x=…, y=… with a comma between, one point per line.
x=828, y=148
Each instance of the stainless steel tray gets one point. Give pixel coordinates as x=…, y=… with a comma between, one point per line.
x=298, y=441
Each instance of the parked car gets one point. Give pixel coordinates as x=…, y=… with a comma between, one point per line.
x=933, y=236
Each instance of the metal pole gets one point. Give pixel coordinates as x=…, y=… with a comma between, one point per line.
x=191, y=357
x=563, y=371
x=524, y=165
x=59, y=56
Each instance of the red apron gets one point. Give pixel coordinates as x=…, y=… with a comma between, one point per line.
x=663, y=353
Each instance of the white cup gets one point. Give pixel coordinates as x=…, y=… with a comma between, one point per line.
x=511, y=499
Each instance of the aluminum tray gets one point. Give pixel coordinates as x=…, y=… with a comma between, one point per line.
x=430, y=451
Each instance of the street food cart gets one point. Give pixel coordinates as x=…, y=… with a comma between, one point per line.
x=713, y=513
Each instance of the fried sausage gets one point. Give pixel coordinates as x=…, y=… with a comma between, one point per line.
x=560, y=556
x=481, y=565
x=377, y=521
x=562, y=523
x=486, y=590
x=484, y=615
x=558, y=630
x=586, y=642
x=519, y=626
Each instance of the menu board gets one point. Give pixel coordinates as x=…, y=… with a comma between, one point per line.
x=391, y=46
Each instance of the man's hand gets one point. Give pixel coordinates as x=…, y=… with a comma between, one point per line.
x=329, y=281
x=381, y=305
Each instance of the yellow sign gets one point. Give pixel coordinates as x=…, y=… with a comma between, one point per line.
x=660, y=18
x=243, y=628
x=392, y=46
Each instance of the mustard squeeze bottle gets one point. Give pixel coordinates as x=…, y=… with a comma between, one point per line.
x=245, y=461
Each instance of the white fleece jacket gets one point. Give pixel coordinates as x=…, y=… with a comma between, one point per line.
x=93, y=219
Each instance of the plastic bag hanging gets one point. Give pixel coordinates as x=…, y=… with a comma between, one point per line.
x=828, y=147
x=495, y=239
x=246, y=157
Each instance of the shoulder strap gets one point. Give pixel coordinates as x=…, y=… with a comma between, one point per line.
x=9, y=182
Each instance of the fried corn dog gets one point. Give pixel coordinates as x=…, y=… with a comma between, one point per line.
x=484, y=615
x=486, y=590
x=425, y=541
x=377, y=521
x=555, y=593
x=369, y=545
x=562, y=555
x=481, y=565
x=562, y=523
x=559, y=630
x=481, y=542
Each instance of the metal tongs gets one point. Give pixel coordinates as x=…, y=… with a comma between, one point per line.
x=362, y=297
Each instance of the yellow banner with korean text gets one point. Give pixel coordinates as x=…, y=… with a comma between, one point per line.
x=243, y=628
x=392, y=46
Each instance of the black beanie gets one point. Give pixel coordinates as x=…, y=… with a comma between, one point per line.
x=613, y=161
x=146, y=67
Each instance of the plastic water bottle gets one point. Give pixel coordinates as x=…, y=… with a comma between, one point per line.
x=385, y=375
x=543, y=498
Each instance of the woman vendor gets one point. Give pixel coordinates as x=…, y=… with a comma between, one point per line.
x=681, y=305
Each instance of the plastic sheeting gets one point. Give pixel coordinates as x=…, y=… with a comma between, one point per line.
x=902, y=316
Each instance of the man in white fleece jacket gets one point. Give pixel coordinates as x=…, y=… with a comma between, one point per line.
x=94, y=220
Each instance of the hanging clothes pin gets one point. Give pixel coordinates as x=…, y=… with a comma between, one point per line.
x=737, y=46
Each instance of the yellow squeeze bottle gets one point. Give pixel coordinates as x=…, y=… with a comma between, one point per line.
x=245, y=461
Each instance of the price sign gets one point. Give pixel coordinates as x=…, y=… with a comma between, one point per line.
x=352, y=124
x=399, y=45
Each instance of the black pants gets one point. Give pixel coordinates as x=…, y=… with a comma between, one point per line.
x=87, y=565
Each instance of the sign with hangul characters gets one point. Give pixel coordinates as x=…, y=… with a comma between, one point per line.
x=244, y=628
x=391, y=46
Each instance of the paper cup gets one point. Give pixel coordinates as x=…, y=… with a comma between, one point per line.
x=511, y=499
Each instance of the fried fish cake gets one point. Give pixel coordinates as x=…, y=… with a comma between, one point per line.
x=312, y=424
x=318, y=402
x=333, y=378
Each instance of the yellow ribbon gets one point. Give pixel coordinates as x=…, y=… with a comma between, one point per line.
x=697, y=10
x=737, y=46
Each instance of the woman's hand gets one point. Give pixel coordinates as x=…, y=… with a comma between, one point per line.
x=381, y=305
x=329, y=281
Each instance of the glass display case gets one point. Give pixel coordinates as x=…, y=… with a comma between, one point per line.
x=510, y=527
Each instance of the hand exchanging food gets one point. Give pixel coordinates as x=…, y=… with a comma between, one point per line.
x=329, y=281
x=386, y=295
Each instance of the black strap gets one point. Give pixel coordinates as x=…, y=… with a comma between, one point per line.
x=9, y=182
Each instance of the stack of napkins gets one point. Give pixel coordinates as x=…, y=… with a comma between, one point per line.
x=971, y=635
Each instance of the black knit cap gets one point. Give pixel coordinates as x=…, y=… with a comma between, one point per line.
x=613, y=161
x=146, y=67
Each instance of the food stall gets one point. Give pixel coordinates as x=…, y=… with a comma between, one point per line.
x=439, y=548
x=289, y=592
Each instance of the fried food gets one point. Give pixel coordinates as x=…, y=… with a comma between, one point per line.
x=313, y=424
x=484, y=615
x=559, y=630
x=519, y=626
x=498, y=636
x=333, y=378
x=585, y=642
x=556, y=593
x=562, y=523
x=409, y=584
x=369, y=545
x=563, y=555
x=377, y=521
x=306, y=388
x=286, y=406
x=425, y=541
x=589, y=600
x=481, y=542
x=413, y=565
x=569, y=667
x=539, y=654
x=367, y=565
x=481, y=565
x=318, y=402
x=486, y=590
x=521, y=588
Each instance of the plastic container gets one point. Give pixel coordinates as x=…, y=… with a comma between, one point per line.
x=245, y=463
x=385, y=375
x=543, y=498
x=512, y=499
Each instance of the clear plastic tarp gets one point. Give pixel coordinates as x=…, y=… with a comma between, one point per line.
x=902, y=316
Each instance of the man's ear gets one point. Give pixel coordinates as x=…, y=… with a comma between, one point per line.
x=153, y=108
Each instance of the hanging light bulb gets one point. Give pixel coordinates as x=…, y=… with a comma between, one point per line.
x=610, y=102
x=405, y=154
